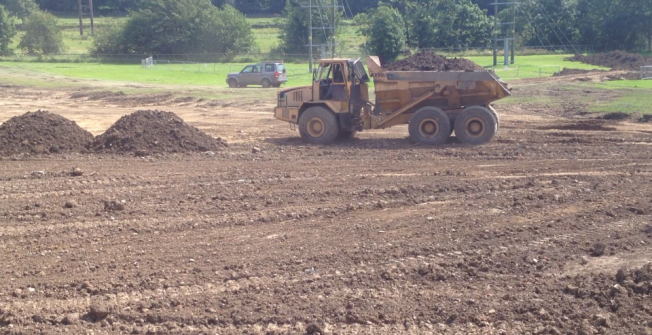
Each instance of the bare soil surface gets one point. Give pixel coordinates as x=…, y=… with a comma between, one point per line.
x=616, y=60
x=429, y=61
x=546, y=230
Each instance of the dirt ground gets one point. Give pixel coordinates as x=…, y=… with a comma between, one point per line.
x=547, y=230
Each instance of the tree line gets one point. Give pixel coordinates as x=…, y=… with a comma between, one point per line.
x=389, y=27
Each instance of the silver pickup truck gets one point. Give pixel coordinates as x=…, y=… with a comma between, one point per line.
x=267, y=74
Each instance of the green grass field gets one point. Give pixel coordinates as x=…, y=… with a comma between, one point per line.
x=633, y=94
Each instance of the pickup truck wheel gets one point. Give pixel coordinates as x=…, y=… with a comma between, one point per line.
x=266, y=83
x=233, y=83
x=429, y=125
x=318, y=125
x=475, y=125
x=277, y=85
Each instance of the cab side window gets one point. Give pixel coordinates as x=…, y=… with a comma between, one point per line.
x=269, y=67
x=338, y=74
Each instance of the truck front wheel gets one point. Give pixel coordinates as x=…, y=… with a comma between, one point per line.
x=475, y=125
x=429, y=125
x=318, y=125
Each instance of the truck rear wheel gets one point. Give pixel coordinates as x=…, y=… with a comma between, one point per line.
x=429, y=125
x=266, y=83
x=318, y=125
x=475, y=125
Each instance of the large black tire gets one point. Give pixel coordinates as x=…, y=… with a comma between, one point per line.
x=233, y=83
x=266, y=83
x=277, y=85
x=476, y=125
x=429, y=125
x=318, y=125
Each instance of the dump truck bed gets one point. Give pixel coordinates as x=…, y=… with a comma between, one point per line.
x=449, y=91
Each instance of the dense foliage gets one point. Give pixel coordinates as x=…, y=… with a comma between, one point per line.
x=7, y=31
x=20, y=8
x=178, y=26
x=386, y=32
x=294, y=32
x=42, y=36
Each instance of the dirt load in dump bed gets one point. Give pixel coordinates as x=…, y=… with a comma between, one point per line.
x=42, y=132
x=616, y=60
x=146, y=132
x=429, y=61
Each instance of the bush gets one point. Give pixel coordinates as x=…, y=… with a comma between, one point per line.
x=175, y=27
x=42, y=36
x=20, y=8
x=386, y=34
x=7, y=32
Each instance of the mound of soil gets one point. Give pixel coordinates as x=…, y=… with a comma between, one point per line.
x=146, y=132
x=569, y=72
x=616, y=60
x=429, y=61
x=42, y=132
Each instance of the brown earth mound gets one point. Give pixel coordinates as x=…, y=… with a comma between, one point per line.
x=42, y=132
x=429, y=61
x=616, y=60
x=145, y=132
x=569, y=72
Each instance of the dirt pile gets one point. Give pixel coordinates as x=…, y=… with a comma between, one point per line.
x=42, y=132
x=616, y=60
x=570, y=72
x=151, y=131
x=429, y=61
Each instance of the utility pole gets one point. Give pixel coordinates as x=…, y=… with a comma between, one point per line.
x=507, y=36
x=90, y=7
x=495, y=41
x=81, y=27
x=333, y=23
x=334, y=29
x=310, y=32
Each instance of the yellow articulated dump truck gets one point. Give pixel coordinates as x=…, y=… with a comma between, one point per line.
x=433, y=104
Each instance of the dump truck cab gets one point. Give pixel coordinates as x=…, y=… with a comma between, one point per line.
x=433, y=103
x=336, y=99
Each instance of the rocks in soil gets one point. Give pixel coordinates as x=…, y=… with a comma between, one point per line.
x=42, y=132
x=99, y=311
x=429, y=61
x=69, y=204
x=148, y=132
x=616, y=60
x=313, y=329
x=76, y=172
x=598, y=249
x=113, y=205
x=70, y=319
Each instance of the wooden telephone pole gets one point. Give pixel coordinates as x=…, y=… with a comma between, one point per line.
x=81, y=26
x=90, y=9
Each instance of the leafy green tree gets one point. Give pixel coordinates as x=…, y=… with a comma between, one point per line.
x=7, y=31
x=108, y=39
x=447, y=23
x=362, y=6
x=42, y=36
x=178, y=26
x=294, y=33
x=386, y=34
x=552, y=21
x=20, y=8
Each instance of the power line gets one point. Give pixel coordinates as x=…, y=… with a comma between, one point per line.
x=533, y=24
x=559, y=28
